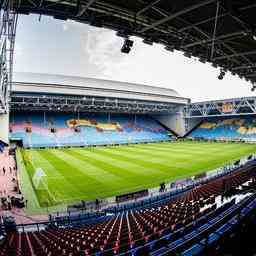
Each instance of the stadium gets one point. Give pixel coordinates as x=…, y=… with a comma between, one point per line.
x=104, y=167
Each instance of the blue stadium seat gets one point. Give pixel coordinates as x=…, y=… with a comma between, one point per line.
x=227, y=128
x=127, y=130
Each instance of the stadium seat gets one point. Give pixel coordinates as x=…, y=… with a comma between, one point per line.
x=186, y=224
x=227, y=129
x=94, y=129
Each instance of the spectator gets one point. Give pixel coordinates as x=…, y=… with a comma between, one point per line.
x=9, y=204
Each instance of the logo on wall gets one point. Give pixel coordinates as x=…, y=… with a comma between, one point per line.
x=227, y=108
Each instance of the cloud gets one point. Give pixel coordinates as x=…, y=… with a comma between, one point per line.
x=81, y=50
x=18, y=50
x=102, y=48
x=65, y=26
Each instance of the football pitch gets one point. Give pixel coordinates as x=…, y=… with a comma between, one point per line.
x=74, y=174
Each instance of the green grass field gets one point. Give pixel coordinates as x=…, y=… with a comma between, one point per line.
x=89, y=173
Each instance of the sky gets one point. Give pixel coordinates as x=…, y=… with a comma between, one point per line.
x=52, y=46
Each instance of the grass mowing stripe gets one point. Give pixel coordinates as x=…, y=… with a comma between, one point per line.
x=66, y=169
x=118, y=168
x=137, y=164
x=156, y=154
x=198, y=145
x=174, y=150
x=38, y=161
x=86, y=174
x=148, y=166
x=71, y=169
x=118, y=157
x=166, y=159
x=91, y=167
x=54, y=188
x=99, y=189
x=63, y=181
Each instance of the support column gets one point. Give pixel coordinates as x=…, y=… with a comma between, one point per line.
x=4, y=128
x=8, y=25
x=44, y=119
x=109, y=119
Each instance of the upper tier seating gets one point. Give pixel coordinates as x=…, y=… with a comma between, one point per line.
x=235, y=128
x=174, y=227
x=54, y=130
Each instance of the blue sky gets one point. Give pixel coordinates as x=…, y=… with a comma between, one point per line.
x=69, y=48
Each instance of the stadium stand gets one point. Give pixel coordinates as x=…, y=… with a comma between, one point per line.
x=195, y=220
x=184, y=225
x=37, y=130
x=2, y=145
x=240, y=129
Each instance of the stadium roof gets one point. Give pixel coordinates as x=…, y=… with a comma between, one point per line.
x=44, y=92
x=60, y=85
x=76, y=81
x=221, y=32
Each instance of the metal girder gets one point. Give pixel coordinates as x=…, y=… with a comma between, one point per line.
x=236, y=16
x=8, y=24
x=85, y=104
x=212, y=18
x=244, y=67
x=229, y=107
x=251, y=75
x=114, y=11
x=164, y=14
x=209, y=39
x=149, y=6
x=137, y=21
x=220, y=37
x=177, y=14
x=235, y=55
x=213, y=39
x=83, y=10
x=215, y=28
x=196, y=28
x=239, y=20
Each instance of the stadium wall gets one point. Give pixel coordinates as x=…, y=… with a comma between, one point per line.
x=4, y=128
x=175, y=122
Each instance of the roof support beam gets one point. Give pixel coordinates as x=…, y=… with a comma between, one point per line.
x=221, y=37
x=220, y=16
x=215, y=28
x=199, y=30
x=251, y=75
x=209, y=38
x=224, y=44
x=235, y=55
x=89, y=3
x=196, y=28
x=244, y=67
x=177, y=14
x=149, y=6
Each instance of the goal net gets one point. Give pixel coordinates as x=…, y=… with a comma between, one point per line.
x=40, y=179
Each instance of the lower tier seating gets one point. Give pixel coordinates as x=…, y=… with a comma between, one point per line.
x=184, y=225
